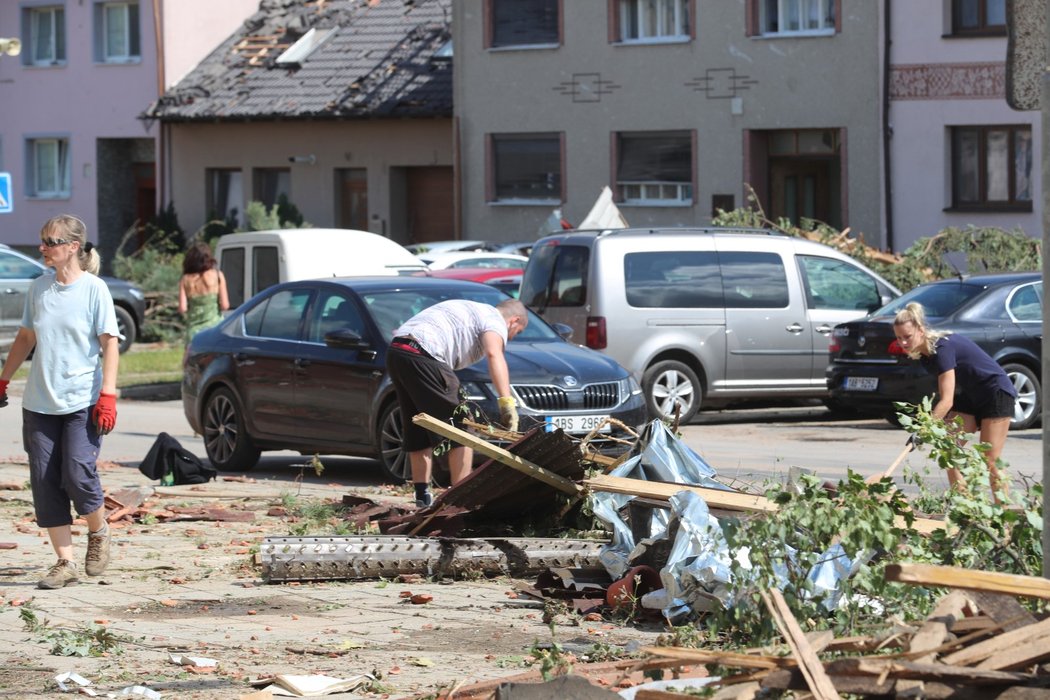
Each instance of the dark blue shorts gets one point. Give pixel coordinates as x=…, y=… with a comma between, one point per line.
x=62, y=454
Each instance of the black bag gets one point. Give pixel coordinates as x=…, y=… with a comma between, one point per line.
x=172, y=463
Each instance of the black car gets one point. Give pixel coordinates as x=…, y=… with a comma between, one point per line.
x=1002, y=313
x=302, y=366
x=17, y=271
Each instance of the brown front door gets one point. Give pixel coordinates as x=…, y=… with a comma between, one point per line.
x=801, y=188
x=352, y=198
x=429, y=203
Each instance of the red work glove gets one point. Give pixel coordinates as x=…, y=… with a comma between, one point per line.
x=105, y=413
x=3, y=392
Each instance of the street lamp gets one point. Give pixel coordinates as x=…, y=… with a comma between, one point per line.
x=11, y=47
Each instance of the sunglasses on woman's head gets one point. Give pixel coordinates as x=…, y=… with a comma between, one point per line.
x=53, y=242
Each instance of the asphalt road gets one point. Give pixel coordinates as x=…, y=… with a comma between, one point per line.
x=749, y=445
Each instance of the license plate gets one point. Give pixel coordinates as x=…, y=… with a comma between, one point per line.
x=862, y=383
x=577, y=424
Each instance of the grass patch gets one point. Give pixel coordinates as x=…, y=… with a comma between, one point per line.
x=142, y=364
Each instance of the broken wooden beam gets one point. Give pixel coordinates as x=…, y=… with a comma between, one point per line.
x=812, y=669
x=955, y=577
x=730, y=500
x=500, y=455
x=715, y=498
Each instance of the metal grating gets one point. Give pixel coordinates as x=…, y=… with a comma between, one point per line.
x=548, y=398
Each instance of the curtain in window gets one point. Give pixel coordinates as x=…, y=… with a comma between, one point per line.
x=517, y=22
x=528, y=168
x=663, y=158
x=43, y=36
x=116, y=20
x=1023, y=165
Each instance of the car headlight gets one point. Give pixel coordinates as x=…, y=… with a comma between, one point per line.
x=629, y=386
x=473, y=391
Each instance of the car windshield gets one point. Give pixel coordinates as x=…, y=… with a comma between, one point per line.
x=939, y=299
x=392, y=308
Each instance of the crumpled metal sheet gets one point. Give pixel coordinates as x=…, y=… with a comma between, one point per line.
x=656, y=456
x=698, y=571
x=385, y=556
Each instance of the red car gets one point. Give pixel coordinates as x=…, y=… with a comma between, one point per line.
x=506, y=280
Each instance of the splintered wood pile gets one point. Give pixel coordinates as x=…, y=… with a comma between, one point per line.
x=979, y=642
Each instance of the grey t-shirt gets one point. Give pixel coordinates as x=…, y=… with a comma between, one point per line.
x=451, y=330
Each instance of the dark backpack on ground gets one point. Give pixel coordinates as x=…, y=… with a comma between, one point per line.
x=171, y=463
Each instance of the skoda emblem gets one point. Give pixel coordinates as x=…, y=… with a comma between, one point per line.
x=569, y=381
x=861, y=341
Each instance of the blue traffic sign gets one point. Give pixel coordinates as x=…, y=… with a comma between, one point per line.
x=6, y=200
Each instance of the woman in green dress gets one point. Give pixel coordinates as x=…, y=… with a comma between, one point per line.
x=202, y=290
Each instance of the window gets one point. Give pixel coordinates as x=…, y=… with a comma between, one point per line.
x=117, y=32
x=278, y=317
x=649, y=20
x=524, y=22
x=265, y=268
x=270, y=183
x=786, y=17
x=682, y=279
x=225, y=195
x=527, y=167
x=655, y=168
x=754, y=281
x=1026, y=303
x=233, y=270
x=979, y=17
x=48, y=167
x=15, y=267
x=992, y=167
x=556, y=276
x=834, y=284
x=334, y=312
x=43, y=36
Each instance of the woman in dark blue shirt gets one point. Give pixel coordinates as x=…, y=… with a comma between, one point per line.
x=970, y=384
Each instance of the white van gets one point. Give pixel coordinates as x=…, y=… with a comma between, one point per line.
x=255, y=260
x=703, y=316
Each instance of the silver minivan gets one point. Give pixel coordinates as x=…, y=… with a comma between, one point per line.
x=703, y=316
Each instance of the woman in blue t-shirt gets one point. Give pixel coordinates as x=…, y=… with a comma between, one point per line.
x=970, y=384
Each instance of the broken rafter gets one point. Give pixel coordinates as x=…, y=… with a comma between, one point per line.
x=813, y=671
x=955, y=577
x=500, y=455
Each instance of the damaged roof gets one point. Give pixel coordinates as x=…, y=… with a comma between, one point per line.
x=363, y=59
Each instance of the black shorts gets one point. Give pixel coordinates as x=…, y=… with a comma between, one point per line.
x=423, y=385
x=1000, y=404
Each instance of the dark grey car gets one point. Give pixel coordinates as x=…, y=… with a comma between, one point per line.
x=17, y=271
x=1002, y=313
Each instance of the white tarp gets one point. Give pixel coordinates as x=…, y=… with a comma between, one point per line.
x=604, y=214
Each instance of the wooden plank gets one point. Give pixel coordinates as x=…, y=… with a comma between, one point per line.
x=975, y=653
x=497, y=453
x=729, y=500
x=871, y=666
x=817, y=680
x=935, y=630
x=1033, y=652
x=722, y=658
x=1003, y=609
x=954, y=577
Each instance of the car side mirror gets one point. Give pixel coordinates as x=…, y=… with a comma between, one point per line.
x=345, y=339
x=563, y=329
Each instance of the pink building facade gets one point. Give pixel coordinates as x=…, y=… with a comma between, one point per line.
x=71, y=136
x=958, y=154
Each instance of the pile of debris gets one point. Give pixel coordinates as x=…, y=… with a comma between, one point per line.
x=979, y=642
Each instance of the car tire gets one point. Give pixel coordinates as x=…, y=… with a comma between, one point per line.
x=392, y=456
x=226, y=439
x=126, y=326
x=669, y=383
x=1028, y=407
